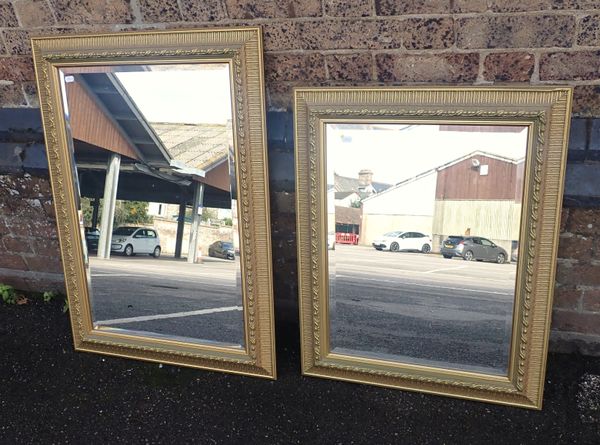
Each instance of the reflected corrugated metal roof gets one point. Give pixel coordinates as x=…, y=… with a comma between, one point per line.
x=199, y=146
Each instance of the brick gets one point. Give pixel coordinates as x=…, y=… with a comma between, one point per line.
x=531, y=31
x=584, y=222
x=158, y=11
x=288, y=67
x=463, y=6
x=17, y=41
x=348, y=8
x=280, y=36
x=248, y=9
x=12, y=95
x=358, y=67
x=3, y=50
x=205, y=11
x=351, y=34
x=30, y=91
x=7, y=15
x=92, y=11
x=436, y=33
x=579, y=247
x=34, y=13
x=279, y=95
x=427, y=68
x=567, y=297
x=586, y=101
x=401, y=7
x=589, y=30
x=44, y=264
x=16, y=69
x=585, y=323
x=45, y=247
x=564, y=218
x=578, y=275
x=581, y=65
x=514, y=67
x=591, y=300
x=540, y=5
x=12, y=261
x=578, y=134
x=17, y=245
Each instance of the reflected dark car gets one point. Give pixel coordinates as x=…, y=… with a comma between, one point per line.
x=471, y=248
x=92, y=236
x=221, y=249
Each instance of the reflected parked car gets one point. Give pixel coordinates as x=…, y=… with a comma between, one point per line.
x=133, y=240
x=395, y=241
x=92, y=236
x=472, y=248
x=221, y=249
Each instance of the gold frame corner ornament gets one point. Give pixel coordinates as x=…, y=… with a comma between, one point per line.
x=546, y=112
x=242, y=49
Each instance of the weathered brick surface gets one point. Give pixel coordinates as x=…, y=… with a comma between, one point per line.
x=11, y=95
x=585, y=323
x=348, y=8
x=581, y=65
x=34, y=13
x=295, y=67
x=427, y=68
x=358, y=67
x=16, y=69
x=8, y=17
x=351, y=34
x=156, y=11
x=567, y=298
x=92, y=11
x=584, y=222
x=514, y=67
x=431, y=33
x=591, y=300
x=586, y=100
x=400, y=7
x=246, y=9
x=205, y=11
x=529, y=31
x=589, y=30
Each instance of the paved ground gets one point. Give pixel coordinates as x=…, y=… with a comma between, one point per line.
x=422, y=308
x=169, y=297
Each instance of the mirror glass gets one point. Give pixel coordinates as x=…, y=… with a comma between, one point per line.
x=153, y=149
x=423, y=226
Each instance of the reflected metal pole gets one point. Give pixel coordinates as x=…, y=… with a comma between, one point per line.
x=108, y=205
x=95, y=208
x=198, y=199
x=180, y=229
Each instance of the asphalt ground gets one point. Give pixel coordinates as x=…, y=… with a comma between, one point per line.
x=421, y=308
x=51, y=394
x=169, y=297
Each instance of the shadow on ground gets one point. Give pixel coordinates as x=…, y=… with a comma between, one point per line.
x=51, y=394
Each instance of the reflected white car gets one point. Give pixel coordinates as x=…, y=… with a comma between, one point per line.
x=399, y=240
x=132, y=240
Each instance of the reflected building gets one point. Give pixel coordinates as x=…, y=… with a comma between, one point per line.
x=477, y=194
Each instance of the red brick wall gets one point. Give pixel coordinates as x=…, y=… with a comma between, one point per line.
x=342, y=42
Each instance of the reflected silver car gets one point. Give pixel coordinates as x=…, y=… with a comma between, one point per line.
x=471, y=248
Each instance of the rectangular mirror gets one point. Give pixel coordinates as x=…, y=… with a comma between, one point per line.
x=427, y=225
x=149, y=148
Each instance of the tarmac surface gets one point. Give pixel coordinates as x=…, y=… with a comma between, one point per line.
x=51, y=394
x=421, y=308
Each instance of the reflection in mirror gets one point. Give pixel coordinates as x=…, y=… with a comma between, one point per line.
x=154, y=153
x=423, y=227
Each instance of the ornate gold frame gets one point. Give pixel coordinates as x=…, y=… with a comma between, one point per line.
x=242, y=49
x=546, y=111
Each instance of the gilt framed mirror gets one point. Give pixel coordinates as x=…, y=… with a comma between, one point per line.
x=157, y=159
x=427, y=223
